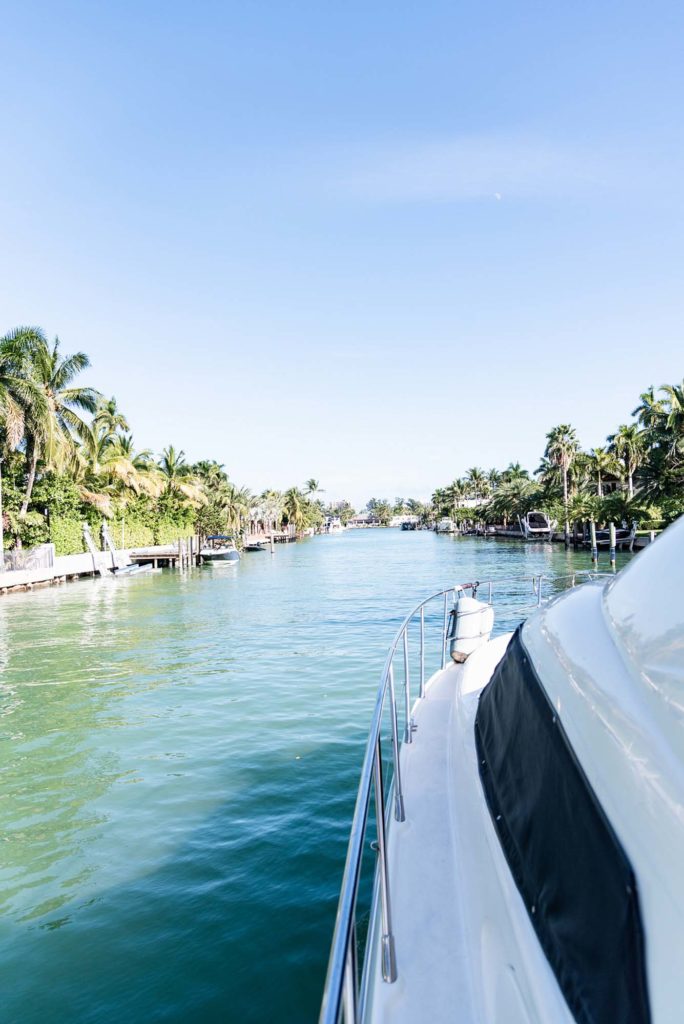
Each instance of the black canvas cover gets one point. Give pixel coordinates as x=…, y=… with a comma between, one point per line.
x=571, y=871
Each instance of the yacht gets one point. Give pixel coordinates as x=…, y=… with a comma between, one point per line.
x=446, y=525
x=527, y=817
x=536, y=526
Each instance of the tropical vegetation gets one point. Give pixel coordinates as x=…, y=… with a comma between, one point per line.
x=637, y=475
x=68, y=457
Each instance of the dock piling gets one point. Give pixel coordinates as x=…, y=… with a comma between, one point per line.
x=594, y=545
x=611, y=527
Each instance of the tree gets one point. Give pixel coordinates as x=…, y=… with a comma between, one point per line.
x=293, y=506
x=674, y=411
x=513, y=499
x=53, y=425
x=19, y=393
x=514, y=471
x=628, y=445
x=561, y=448
x=603, y=463
x=312, y=486
x=108, y=415
x=178, y=477
x=477, y=481
x=382, y=509
x=650, y=410
x=453, y=495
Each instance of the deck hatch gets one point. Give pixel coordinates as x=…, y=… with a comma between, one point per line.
x=572, y=873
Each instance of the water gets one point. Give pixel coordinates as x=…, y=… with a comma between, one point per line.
x=179, y=756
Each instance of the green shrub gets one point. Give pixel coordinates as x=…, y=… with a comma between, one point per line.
x=67, y=536
x=130, y=533
x=166, y=532
x=672, y=508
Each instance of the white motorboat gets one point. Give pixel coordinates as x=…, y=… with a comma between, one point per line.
x=530, y=841
x=332, y=524
x=446, y=525
x=537, y=526
x=219, y=548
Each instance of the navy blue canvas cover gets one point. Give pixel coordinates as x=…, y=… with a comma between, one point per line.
x=573, y=875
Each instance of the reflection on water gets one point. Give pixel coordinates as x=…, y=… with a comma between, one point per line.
x=179, y=756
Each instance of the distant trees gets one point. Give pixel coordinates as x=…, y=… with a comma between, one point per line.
x=60, y=437
x=68, y=451
x=641, y=465
x=380, y=508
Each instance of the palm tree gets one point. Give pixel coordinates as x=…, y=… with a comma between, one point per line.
x=650, y=410
x=312, y=486
x=628, y=445
x=18, y=391
x=512, y=499
x=210, y=472
x=51, y=426
x=268, y=510
x=674, y=411
x=603, y=462
x=109, y=416
x=293, y=506
x=178, y=477
x=134, y=471
x=561, y=448
x=477, y=482
x=514, y=471
x=454, y=494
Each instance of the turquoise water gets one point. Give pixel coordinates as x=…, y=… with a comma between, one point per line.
x=179, y=755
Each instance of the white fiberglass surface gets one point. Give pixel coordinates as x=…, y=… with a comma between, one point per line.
x=627, y=739
x=645, y=609
x=465, y=948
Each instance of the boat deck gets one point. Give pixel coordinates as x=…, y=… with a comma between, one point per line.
x=465, y=948
x=432, y=982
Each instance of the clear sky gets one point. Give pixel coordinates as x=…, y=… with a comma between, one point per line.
x=371, y=242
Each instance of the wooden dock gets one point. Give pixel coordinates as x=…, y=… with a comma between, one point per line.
x=179, y=555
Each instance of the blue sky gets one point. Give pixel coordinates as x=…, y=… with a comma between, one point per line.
x=374, y=243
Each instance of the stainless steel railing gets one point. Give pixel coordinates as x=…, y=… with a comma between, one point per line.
x=342, y=993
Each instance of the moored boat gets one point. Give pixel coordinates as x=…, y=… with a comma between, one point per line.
x=529, y=845
x=624, y=537
x=536, y=526
x=219, y=548
x=446, y=525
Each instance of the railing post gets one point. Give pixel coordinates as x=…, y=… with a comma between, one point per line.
x=422, y=651
x=351, y=985
x=444, y=630
x=408, y=728
x=399, y=813
x=388, y=957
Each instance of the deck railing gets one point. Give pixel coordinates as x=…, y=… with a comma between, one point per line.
x=343, y=994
